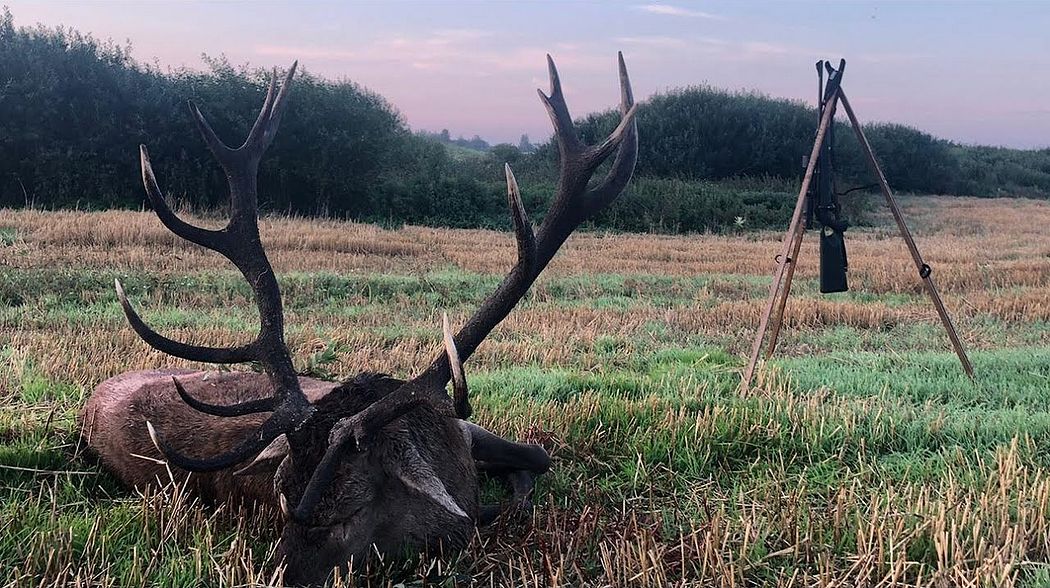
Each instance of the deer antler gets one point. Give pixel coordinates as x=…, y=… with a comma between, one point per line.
x=460, y=392
x=573, y=203
x=239, y=242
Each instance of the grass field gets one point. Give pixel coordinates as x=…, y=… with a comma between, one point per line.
x=863, y=458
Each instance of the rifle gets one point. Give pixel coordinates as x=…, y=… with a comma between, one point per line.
x=822, y=201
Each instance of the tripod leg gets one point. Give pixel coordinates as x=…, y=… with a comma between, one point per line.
x=924, y=270
x=778, y=321
x=796, y=219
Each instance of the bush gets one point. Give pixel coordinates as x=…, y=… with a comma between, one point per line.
x=75, y=110
x=702, y=133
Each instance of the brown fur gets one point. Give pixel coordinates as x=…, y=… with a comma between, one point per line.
x=113, y=423
x=367, y=504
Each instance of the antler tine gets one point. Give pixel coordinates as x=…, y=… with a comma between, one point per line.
x=229, y=410
x=159, y=342
x=626, y=93
x=288, y=413
x=279, y=105
x=522, y=227
x=263, y=130
x=220, y=150
x=564, y=130
x=598, y=153
x=460, y=395
x=247, y=448
x=628, y=110
x=263, y=119
x=320, y=479
x=623, y=166
x=193, y=234
x=552, y=73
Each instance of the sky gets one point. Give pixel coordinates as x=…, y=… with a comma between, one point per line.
x=972, y=72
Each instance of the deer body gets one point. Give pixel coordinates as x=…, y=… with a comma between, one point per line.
x=113, y=424
x=375, y=464
x=390, y=516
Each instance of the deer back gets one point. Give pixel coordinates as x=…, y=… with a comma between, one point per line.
x=113, y=424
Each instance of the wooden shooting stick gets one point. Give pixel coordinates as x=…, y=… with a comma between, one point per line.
x=788, y=258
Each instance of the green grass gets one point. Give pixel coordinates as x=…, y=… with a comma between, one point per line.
x=650, y=417
x=8, y=236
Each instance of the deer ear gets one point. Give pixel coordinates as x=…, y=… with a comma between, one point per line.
x=415, y=472
x=268, y=459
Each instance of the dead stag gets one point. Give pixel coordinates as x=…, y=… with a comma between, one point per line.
x=372, y=464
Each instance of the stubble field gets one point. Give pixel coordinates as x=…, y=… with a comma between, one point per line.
x=864, y=457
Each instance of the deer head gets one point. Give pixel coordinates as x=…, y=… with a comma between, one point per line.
x=379, y=464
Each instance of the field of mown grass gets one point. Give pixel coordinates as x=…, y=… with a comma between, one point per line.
x=863, y=458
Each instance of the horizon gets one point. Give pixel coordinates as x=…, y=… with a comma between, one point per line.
x=964, y=60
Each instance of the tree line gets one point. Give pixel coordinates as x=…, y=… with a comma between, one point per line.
x=706, y=133
x=74, y=109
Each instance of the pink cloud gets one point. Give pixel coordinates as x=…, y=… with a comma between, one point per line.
x=669, y=10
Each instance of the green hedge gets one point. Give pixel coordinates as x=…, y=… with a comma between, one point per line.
x=75, y=109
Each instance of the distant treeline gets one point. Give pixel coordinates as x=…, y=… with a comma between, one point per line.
x=705, y=133
x=73, y=111
x=476, y=143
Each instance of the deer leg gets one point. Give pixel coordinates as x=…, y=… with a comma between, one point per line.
x=521, y=484
x=498, y=455
x=516, y=464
